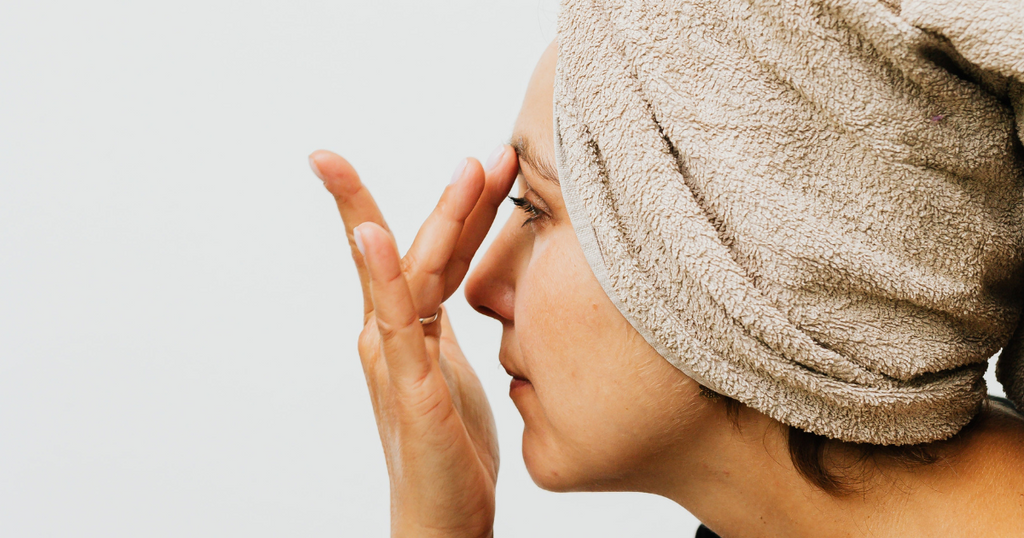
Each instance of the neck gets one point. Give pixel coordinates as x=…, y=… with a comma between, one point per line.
x=750, y=487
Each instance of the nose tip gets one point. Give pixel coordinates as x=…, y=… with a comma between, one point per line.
x=475, y=294
x=489, y=287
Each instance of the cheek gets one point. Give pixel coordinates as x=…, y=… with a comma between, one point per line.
x=563, y=317
x=561, y=309
x=603, y=398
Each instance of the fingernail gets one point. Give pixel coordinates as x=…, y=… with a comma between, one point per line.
x=458, y=171
x=359, y=241
x=495, y=157
x=316, y=169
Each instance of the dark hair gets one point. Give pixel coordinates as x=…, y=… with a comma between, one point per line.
x=812, y=454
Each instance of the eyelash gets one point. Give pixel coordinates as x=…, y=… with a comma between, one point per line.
x=528, y=208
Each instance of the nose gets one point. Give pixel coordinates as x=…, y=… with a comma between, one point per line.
x=490, y=286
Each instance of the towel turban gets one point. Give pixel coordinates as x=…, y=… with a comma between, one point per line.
x=815, y=207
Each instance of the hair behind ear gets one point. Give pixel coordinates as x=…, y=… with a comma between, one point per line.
x=809, y=452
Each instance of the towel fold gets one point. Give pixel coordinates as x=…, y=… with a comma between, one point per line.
x=815, y=207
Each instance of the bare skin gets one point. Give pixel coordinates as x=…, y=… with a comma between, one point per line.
x=434, y=420
x=602, y=410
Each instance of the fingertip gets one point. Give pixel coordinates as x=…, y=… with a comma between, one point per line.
x=501, y=178
x=468, y=168
x=315, y=159
x=363, y=236
x=496, y=157
x=469, y=188
x=366, y=234
x=315, y=168
x=375, y=244
x=469, y=179
x=460, y=171
x=357, y=236
x=475, y=173
x=335, y=171
x=499, y=163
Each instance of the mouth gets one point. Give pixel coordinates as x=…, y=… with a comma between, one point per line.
x=518, y=381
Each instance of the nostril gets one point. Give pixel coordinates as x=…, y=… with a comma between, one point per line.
x=490, y=298
x=487, y=311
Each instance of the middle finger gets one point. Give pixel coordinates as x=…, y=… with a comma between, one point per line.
x=425, y=262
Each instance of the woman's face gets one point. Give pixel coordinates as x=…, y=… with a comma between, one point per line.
x=601, y=409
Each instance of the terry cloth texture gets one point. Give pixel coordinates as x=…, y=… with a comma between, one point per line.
x=814, y=207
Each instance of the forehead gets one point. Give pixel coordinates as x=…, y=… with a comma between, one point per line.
x=535, y=122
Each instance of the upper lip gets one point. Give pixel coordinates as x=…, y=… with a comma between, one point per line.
x=510, y=371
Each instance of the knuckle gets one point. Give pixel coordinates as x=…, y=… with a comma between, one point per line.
x=414, y=266
x=461, y=259
x=418, y=271
x=370, y=354
x=410, y=264
x=390, y=330
x=441, y=210
x=343, y=191
x=368, y=340
x=437, y=271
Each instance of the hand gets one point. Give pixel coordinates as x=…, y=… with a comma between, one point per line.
x=433, y=418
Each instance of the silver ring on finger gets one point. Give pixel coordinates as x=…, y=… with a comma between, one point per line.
x=431, y=319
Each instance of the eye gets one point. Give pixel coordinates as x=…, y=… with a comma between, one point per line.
x=528, y=208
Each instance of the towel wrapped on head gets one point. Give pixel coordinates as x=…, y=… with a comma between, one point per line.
x=815, y=207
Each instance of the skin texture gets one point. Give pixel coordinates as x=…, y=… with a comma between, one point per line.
x=602, y=410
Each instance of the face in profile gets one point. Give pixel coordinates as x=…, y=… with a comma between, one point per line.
x=601, y=409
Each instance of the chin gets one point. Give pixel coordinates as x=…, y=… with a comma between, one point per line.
x=554, y=470
x=546, y=468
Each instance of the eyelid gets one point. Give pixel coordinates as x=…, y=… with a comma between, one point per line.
x=533, y=213
x=540, y=202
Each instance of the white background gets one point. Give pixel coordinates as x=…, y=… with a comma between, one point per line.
x=178, y=310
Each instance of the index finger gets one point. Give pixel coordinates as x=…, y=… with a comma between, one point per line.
x=500, y=176
x=355, y=204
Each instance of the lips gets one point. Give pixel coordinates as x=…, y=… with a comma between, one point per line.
x=515, y=374
x=517, y=384
x=517, y=381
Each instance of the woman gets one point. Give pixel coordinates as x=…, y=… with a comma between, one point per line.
x=756, y=403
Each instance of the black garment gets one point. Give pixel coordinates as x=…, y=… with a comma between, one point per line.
x=704, y=532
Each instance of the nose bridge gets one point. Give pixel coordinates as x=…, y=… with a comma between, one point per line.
x=490, y=286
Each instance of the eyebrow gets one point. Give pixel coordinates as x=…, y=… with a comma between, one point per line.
x=526, y=152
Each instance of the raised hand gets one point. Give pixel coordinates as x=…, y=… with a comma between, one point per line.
x=433, y=418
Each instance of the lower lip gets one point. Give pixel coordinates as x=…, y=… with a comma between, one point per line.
x=517, y=384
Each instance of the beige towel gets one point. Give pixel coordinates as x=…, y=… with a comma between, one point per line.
x=815, y=207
